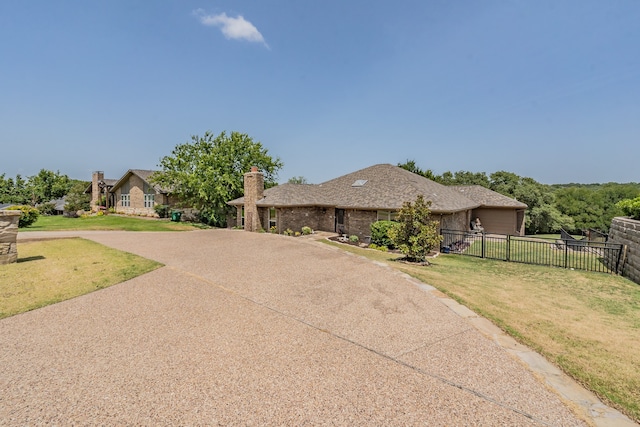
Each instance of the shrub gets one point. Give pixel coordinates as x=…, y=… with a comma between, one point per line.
x=306, y=230
x=162, y=210
x=47, y=208
x=273, y=229
x=415, y=234
x=630, y=207
x=354, y=239
x=288, y=232
x=382, y=248
x=379, y=233
x=373, y=246
x=297, y=233
x=29, y=215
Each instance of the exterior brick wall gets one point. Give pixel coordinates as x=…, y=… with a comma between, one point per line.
x=627, y=232
x=253, y=191
x=9, y=236
x=359, y=222
x=320, y=219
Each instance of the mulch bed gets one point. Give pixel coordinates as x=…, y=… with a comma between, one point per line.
x=346, y=241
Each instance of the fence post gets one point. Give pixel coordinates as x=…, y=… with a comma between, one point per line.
x=508, y=254
x=483, y=245
x=622, y=258
x=566, y=254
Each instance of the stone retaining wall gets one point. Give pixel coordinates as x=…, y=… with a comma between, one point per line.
x=627, y=232
x=9, y=236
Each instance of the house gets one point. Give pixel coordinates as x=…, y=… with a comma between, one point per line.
x=132, y=194
x=498, y=213
x=351, y=203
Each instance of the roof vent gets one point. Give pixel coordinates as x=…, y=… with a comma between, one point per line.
x=359, y=183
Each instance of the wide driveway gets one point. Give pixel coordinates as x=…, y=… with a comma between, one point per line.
x=257, y=329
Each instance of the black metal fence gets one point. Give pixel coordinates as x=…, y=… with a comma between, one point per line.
x=564, y=252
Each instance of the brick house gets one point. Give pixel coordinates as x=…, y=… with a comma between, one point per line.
x=351, y=203
x=132, y=194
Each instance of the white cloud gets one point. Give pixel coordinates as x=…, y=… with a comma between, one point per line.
x=236, y=28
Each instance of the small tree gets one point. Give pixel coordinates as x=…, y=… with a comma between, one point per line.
x=77, y=199
x=415, y=234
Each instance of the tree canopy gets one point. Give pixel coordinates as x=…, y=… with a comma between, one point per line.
x=43, y=187
x=208, y=172
x=574, y=207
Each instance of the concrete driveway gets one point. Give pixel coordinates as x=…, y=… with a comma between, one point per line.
x=257, y=329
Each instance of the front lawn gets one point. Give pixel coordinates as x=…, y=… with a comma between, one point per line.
x=51, y=271
x=106, y=222
x=586, y=323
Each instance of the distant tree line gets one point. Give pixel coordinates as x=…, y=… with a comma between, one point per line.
x=40, y=189
x=574, y=207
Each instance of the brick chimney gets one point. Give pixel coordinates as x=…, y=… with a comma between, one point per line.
x=253, y=191
x=95, y=188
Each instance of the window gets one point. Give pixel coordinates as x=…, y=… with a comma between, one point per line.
x=242, y=216
x=125, y=199
x=387, y=215
x=148, y=200
x=149, y=195
x=359, y=182
x=272, y=218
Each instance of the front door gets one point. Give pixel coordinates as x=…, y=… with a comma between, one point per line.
x=340, y=221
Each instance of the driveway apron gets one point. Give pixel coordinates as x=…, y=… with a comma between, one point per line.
x=257, y=329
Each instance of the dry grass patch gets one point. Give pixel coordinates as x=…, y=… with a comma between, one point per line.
x=586, y=323
x=55, y=270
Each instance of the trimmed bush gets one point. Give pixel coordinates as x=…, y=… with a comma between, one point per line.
x=306, y=230
x=354, y=239
x=379, y=233
x=162, y=210
x=28, y=217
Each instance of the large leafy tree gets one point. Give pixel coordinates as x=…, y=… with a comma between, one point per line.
x=48, y=185
x=208, y=172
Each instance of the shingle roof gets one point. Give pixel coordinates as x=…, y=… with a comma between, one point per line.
x=386, y=187
x=488, y=198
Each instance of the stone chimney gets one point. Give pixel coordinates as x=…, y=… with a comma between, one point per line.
x=95, y=188
x=253, y=191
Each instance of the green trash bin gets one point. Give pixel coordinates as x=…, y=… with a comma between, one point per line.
x=175, y=216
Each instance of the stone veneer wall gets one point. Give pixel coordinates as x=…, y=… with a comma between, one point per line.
x=627, y=232
x=9, y=236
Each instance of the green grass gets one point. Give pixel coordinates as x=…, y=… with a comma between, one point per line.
x=586, y=323
x=51, y=271
x=106, y=222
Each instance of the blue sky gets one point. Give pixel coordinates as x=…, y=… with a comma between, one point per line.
x=545, y=89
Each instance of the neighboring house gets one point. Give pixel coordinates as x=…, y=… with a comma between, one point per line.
x=132, y=194
x=351, y=203
x=6, y=205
